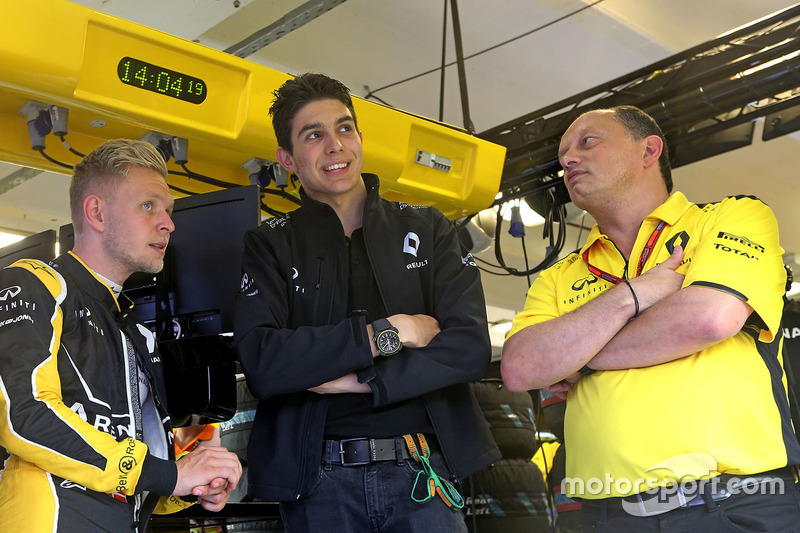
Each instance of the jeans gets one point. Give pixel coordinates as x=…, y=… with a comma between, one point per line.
x=371, y=498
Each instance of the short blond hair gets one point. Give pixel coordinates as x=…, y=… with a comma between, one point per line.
x=107, y=165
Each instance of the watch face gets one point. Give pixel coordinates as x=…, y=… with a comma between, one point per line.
x=388, y=342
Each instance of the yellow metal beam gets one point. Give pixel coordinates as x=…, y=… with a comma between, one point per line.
x=60, y=53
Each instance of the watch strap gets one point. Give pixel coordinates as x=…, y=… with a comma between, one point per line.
x=382, y=324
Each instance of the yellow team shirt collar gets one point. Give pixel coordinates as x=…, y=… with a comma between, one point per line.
x=670, y=212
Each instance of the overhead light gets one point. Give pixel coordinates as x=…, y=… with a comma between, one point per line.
x=9, y=238
x=502, y=327
x=529, y=216
x=794, y=290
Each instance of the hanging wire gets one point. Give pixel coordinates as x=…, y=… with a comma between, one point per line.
x=557, y=214
x=444, y=62
x=70, y=148
x=371, y=93
x=54, y=161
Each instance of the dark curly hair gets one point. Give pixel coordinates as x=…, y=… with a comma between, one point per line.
x=297, y=92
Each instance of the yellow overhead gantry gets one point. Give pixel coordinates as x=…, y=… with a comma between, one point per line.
x=120, y=79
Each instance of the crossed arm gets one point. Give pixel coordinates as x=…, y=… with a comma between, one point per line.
x=416, y=331
x=673, y=323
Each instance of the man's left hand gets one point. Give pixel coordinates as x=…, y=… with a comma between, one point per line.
x=560, y=389
x=213, y=496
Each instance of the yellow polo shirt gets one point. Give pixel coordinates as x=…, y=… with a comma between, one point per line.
x=721, y=410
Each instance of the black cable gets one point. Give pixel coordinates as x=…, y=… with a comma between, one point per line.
x=464, y=221
x=379, y=99
x=539, y=28
x=483, y=269
x=549, y=258
x=54, y=161
x=206, y=179
x=485, y=262
x=70, y=148
x=444, y=62
x=282, y=194
x=462, y=71
x=525, y=255
x=270, y=211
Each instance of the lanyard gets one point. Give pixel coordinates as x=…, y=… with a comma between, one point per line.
x=648, y=249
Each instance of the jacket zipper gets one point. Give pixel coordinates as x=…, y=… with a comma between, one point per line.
x=318, y=285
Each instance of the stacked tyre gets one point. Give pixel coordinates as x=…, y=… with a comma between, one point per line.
x=568, y=516
x=510, y=496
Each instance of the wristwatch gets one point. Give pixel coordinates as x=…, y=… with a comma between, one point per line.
x=386, y=338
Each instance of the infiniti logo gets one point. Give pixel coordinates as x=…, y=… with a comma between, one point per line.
x=584, y=282
x=9, y=292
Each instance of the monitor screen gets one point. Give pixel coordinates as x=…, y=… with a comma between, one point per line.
x=203, y=270
x=41, y=246
x=202, y=267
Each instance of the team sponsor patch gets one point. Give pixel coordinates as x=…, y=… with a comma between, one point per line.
x=411, y=243
x=16, y=319
x=566, y=261
x=403, y=205
x=582, y=283
x=277, y=222
x=10, y=292
x=246, y=287
x=681, y=239
x=731, y=238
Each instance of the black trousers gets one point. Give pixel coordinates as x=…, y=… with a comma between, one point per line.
x=741, y=512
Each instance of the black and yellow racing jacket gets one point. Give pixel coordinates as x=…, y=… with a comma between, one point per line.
x=66, y=411
x=294, y=330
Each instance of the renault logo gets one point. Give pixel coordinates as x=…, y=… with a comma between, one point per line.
x=9, y=292
x=411, y=243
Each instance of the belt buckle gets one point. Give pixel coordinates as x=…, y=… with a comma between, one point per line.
x=356, y=463
x=660, y=501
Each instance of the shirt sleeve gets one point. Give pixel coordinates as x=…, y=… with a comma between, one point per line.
x=35, y=423
x=739, y=253
x=540, y=303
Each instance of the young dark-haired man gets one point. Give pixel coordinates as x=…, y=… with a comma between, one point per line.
x=341, y=413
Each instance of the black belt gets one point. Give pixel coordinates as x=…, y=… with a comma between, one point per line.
x=363, y=451
x=706, y=491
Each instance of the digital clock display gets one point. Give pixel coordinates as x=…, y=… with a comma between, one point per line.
x=161, y=80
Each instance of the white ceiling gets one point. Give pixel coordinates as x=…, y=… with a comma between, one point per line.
x=377, y=43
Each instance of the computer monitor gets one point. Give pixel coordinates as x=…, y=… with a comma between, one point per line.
x=202, y=267
x=41, y=246
x=66, y=238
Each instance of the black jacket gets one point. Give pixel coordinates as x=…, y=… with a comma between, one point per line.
x=65, y=375
x=293, y=332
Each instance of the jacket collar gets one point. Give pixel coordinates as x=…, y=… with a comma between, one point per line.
x=371, y=181
x=90, y=283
